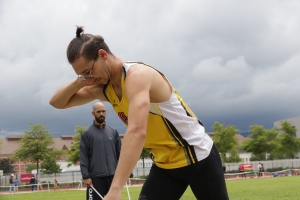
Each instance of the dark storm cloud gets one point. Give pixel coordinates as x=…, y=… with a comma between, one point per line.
x=233, y=61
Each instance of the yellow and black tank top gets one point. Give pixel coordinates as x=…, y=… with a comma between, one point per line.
x=174, y=134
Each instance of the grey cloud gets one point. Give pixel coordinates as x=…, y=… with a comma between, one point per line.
x=234, y=62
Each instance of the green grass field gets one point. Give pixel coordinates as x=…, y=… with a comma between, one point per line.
x=281, y=188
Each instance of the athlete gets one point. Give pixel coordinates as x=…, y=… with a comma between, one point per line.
x=156, y=117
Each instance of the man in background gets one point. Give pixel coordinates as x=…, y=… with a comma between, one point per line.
x=11, y=184
x=32, y=183
x=242, y=170
x=259, y=170
x=224, y=169
x=100, y=147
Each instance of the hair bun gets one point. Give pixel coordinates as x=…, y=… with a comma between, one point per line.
x=79, y=30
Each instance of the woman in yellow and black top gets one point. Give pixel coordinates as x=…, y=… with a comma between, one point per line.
x=156, y=117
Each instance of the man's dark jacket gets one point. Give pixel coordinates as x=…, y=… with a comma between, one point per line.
x=99, y=151
x=32, y=180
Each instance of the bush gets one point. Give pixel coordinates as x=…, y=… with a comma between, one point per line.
x=232, y=171
x=137, y=181
x=276, y=169
x=143, y=177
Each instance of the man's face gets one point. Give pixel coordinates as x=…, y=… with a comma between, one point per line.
x=99, y=113
x=94, y=71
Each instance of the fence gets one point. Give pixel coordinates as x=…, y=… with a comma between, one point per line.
x=256, y=174
x=140, y=172
x=75, y=176
x=71, y=176
x=287, y=163
x=40, y=187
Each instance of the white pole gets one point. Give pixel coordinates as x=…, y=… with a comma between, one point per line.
x=290, y=174
x=96, y=192
x=128, y=191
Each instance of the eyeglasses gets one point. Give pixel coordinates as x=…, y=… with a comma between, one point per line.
x=89, y=73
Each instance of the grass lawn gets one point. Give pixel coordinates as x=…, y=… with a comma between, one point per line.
x=279, y=188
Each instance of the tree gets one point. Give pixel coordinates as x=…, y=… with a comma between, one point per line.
x=30, y=167
x=74, y=151
x=35, y=145
x=0, y=145
x=233, y=156
x=290, y=144
x=261, y=141
x=49, y=166
x=6, y=164
x=146, y=153
x=224, y=138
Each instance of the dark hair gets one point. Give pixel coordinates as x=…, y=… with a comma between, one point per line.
x=86, y=45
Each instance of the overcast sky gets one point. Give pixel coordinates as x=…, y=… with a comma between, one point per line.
x=236, y=62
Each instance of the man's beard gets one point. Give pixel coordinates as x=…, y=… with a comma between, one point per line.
x=100, y=120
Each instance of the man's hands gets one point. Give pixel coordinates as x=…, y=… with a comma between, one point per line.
x=112, y=195
x=88, y=182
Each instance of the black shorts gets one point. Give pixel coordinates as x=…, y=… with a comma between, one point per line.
x=206, y=179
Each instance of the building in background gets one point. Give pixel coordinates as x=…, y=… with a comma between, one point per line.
x=10, y=144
